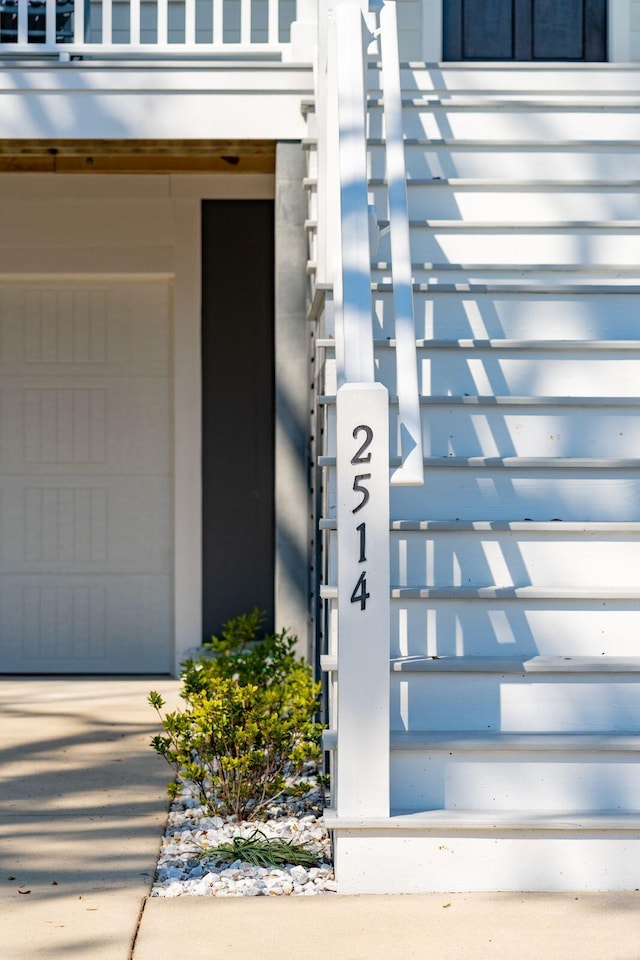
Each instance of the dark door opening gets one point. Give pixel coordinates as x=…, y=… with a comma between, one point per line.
x=237, y=409
x=525, y=30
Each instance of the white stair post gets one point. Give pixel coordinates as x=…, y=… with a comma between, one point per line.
x=362, y=766
x=363, y=600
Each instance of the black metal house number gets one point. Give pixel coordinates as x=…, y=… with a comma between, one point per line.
x=360, y=594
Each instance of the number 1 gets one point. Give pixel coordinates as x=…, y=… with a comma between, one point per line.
x=362, y=530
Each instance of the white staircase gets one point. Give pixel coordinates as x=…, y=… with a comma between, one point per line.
x=514, y=656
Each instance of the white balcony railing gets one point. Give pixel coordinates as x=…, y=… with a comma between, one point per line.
x=74, y=28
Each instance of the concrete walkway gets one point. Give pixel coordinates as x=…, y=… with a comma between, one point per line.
x=82, y=809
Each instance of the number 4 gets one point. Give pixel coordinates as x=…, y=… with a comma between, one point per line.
x=360, y=594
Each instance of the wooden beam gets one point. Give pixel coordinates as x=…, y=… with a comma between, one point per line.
x=137, y=156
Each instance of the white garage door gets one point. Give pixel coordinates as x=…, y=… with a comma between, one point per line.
x=86, y=534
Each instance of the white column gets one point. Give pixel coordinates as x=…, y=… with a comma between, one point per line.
x=619, y=30
x=363, y=600
x=432, y=30
x=304, y=33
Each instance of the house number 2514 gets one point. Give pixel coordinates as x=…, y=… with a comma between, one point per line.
x=364, y=435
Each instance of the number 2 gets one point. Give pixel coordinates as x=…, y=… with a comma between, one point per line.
x=359, y=456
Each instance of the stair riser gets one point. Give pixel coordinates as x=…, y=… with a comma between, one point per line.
x=515, y=494
x=519, y=431
x=518, y=373
x=519, y=163
x=514, y=79
x=521, y=373
x=543, y=782
x=421, y=559
x=480, y=628
x=595, y=246
x=531, y=205
x=532, y=124
x=546, y=315
x=514, y=704
x=448, y=862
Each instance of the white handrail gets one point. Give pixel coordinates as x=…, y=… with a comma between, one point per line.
x=355, y=257
x=411, y=471
x=362, y=438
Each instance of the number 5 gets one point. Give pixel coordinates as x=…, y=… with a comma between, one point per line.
x=360, y=489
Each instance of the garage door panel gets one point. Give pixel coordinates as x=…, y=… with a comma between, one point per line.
x=61, y=329
x=73, y=624
x=73, y=526
x=86, y=448
x=113, y=425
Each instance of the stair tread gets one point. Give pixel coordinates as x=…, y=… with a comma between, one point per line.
x=519, y=463
x=513, y=285
x=477, y=142
x=330, y=591
x=511, y=225
x=502, y=183
x=512, y=665
x=475, y=741
x=506, y=526
x=494, y=401
x=522, y=100
x=487, y=820
x=519, y=665
x=502, y=344
x=491, y=268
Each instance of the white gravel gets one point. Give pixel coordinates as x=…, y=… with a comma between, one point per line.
x=181, y=872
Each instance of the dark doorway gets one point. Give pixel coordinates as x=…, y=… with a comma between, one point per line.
x=525, y=30
x=237, y=409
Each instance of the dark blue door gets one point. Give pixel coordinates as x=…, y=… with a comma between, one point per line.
x=525, y=30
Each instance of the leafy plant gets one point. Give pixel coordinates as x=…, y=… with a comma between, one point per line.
x=248, y=732
x=261, y=851
x=245, y=653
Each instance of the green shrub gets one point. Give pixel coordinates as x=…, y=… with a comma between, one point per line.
x=248, y=731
